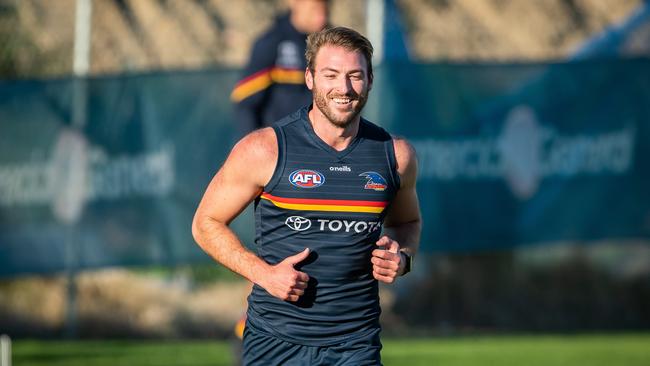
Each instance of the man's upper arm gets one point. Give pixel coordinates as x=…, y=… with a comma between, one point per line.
x=242, y=177
x=405, y=207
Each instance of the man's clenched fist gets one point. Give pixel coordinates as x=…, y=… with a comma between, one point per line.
x=284, y=281
x=386, y=260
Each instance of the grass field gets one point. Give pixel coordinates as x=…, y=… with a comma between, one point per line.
x=592, y=350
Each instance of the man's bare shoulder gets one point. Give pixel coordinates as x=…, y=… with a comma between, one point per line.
x=256, y=153
x=259, y=142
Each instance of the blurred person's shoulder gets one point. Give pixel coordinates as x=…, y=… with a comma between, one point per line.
x=280, y=29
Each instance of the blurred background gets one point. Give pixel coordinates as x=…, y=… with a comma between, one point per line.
x=531, y=120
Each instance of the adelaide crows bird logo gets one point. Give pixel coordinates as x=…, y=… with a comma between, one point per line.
x=375, y=181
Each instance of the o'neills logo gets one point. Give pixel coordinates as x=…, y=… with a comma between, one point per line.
x=304, y=178
x=343, y=168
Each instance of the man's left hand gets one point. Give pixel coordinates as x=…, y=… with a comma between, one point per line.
x=387, y=261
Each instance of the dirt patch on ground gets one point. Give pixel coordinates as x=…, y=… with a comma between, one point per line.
x=119, y=302
x=123, y=303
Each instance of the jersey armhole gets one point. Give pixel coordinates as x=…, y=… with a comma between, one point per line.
x=280, y=163
x=392, y=163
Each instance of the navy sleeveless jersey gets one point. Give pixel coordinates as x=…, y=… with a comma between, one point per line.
x=334, y=203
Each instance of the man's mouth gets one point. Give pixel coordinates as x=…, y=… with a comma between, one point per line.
x=342, y=101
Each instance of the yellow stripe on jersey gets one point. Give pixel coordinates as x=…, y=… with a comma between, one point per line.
x=251, y=85
x=322, y=207
x=263, y=79
x=287, y=76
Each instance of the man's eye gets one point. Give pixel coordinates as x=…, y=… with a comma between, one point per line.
x=355, y=77
x=330, y=76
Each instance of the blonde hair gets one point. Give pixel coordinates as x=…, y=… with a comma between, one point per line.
x=338, y=36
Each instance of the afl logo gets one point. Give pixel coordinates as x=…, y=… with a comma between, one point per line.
x=304, y=178
x=298, y=223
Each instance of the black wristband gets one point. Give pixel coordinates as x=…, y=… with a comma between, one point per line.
x=408, y=262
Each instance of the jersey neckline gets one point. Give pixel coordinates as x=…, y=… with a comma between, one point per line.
x=304, y=116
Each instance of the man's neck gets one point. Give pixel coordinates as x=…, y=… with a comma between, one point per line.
x=337, y=137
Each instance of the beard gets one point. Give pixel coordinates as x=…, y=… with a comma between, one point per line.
x=335, y=117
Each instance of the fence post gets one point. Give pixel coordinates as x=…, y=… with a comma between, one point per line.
x=5, y=350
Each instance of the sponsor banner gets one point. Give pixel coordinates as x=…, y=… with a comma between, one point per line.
x=519, y=154
x=508, y=155
x=120, y=191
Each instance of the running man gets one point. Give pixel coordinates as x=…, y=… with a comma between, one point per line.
x=273, y=81
x=325, y=183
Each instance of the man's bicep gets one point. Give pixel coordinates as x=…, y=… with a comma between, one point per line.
x=227, y=195
x=241, y=178
x=404, y=208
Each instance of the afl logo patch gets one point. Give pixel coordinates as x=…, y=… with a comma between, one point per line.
x=374, y=181
x=304, y=178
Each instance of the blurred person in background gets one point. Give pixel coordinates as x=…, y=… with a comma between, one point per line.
x=325, y=182
x=273, y=81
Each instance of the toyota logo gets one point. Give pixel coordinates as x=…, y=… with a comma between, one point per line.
x=298, y=223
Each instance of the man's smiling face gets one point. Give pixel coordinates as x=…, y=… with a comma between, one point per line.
x=339, y=83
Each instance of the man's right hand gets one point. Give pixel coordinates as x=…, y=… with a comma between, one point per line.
x=284, y=281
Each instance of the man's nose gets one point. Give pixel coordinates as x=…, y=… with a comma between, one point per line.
x=343, y=85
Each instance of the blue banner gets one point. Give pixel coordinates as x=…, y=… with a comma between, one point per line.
x=509, y=155
x=121, y=190
x=525, y=153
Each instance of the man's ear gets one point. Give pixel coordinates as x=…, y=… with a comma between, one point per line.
x=309, y=79
x=371, y=77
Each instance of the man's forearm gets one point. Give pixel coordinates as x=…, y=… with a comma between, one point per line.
x=221, y=243
x=407, y=235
